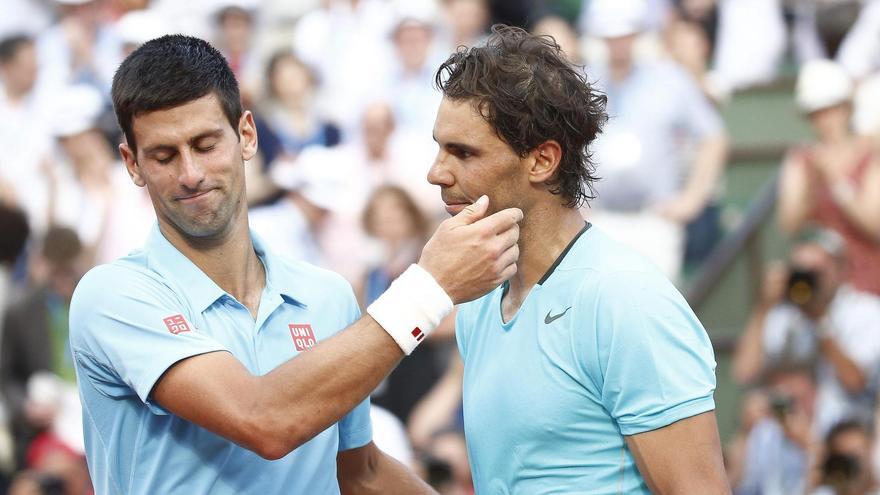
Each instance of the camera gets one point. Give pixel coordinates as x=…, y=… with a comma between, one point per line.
x=781, y=405
x=802, y=287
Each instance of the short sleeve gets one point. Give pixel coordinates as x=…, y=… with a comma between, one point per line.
x=655, y=359
x=127, y=329
x=355, y=429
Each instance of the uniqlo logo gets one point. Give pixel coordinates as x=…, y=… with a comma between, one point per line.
x=303, y=336
x=418, y=334
x=176, y=324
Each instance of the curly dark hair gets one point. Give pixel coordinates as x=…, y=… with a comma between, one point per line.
x=529, y=93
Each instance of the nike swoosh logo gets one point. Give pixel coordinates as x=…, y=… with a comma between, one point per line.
x=550, y=319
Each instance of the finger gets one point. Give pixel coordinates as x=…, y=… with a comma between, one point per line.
x=472, y=212
x=509, y=257
x=501, y=221
x=509, y=237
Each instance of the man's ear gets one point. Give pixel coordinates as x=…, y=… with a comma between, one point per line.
x=131, y=164
x=545, y=161
x=247, y=134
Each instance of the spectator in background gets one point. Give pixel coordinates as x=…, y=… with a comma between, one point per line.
x=36, y=366
x=846, y=463
x=292, y=225
x=778, y=447
x=808, y=317
x=399, y=230
x=24, y=129
x=410, y=88
x=90, y=190
x=82, y=48
x=834, y=181
x=344, y=40
x=382, y=155
x=289, y=110
x=13, y=224
x=235, y=32
x=664, y=148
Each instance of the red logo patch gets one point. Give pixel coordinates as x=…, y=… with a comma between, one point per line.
x=176, y=324
x=303, y=336
x=418, y=334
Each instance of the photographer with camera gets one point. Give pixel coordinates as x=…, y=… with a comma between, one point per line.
x=808, y=317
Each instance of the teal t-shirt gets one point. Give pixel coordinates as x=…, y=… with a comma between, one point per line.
x=602, y=347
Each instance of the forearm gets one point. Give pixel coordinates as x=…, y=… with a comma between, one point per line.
x=309, y=393
x=847, y=371
x=368, y=470
x=748, y=359
x=860, y=208
x=794, y=202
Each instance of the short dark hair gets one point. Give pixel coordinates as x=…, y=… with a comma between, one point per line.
x=10, y=45
x=529, y=93
x=170, y=71
x=61, y=245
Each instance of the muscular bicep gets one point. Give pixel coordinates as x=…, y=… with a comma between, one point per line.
x=684, y=457
x=212, y=390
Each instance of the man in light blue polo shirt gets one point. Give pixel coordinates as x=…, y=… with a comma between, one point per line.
x=586, y=372
x=208, y=365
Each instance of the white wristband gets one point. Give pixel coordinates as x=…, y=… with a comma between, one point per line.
x=411, y=308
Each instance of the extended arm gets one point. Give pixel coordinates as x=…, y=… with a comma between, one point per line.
x=275, y=413
x=795, y=193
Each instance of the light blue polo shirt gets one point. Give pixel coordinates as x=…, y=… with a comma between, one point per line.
x=132, y=319
x=604, y=346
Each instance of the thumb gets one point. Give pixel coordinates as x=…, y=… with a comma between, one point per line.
x=473, y=212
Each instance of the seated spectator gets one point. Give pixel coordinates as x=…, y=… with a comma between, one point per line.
x=810, y=318
x=834, y=181
x=36, y=366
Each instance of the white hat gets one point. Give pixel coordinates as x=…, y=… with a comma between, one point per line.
x=614, y=18
x=75, y=109
x=73, y=2
x=822, y=84
x=137, y=27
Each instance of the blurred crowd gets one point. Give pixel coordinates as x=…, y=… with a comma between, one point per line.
x=344, y=100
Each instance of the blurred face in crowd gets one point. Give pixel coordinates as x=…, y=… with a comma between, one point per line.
x=467, y=18
x=88, y=14
x=390, y=219
x=473, y=160
x=83, y=147
x=831, y=121
x=412, y=40
x=377, y=126
x=192, y=163
x=20, y=73
x=565, y=37
x=291, y=81
x=236, y=27
x=620, y=49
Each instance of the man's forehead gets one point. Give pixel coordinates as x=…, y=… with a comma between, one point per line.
x=179, y=123
x=461, y=120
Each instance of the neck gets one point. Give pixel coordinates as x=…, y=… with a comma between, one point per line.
x=620, y=71
x=541, y=242
x=230, y=260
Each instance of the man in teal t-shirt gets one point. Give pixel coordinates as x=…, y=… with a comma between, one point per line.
x=586, y=372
